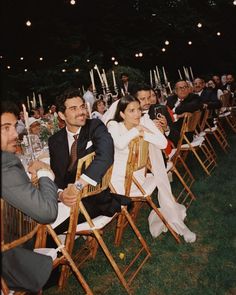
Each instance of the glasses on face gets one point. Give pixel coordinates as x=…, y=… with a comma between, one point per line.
x=76, y=108
x=182, y=88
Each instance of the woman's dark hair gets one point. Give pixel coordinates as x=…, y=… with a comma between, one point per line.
x=67, y=94
x=122, y=105
x=96, y=103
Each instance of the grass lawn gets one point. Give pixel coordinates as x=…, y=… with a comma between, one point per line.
x=206, y=267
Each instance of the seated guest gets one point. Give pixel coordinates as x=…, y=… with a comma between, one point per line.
x=98, y=109
x=22, y=269
x=208, y=96
x=183, y=101
x=126, y=86
x=127, y=124
x=78, y=138
x=216, y=79
x=89, y=96
x=230, y=86
x=34, y=126
x=212, y=86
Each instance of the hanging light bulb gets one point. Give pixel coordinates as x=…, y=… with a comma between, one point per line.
x=116, y=63
x=28, y=23
x=22, y=58
x=218, y=33
x=72, y=2
x=190, y=42
x=199, y=25
x=167, y=42
x=163, y=49
x=77, y=70
x=41, y=58
x=25, y=70
x=63, y=70
x=140, y=54
x=113, y=58
x=234, y=2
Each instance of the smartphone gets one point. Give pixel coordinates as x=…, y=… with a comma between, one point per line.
x=158, y=111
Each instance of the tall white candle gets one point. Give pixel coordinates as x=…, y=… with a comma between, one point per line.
x=180, y=75
x=151, y=82
x=158, y=74
x=26, y=117
x=169, y=87
x=114, y=79
x=92, y=79
x=34, y=101
x=155, y=78
x=28, y=103
x=164, y=75
x=191, y=72
x=40, y=100
x=100, y=77
x=104, y=78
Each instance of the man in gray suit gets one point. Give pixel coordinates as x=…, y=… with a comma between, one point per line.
x=22, y=269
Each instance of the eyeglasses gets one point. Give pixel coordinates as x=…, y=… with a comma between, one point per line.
x=182, y=88
x=76, y=108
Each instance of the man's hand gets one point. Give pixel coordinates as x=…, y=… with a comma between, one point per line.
x=69, y=195
x=37, y=165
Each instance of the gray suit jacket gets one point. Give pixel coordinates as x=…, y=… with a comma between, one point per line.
x=22, y=268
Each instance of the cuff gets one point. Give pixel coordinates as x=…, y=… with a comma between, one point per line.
x=175, y=117
x=88, y=179
x=45, y=173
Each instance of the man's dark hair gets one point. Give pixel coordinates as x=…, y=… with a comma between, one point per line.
x=124, y=74
x=67, y=94
x=180, y=80
x=140, y=87
x=8, y=106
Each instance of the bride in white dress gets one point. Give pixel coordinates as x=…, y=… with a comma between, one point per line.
x=127, y=124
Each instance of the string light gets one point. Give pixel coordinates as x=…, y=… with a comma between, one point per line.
x=65, y=60
x=140, y=54
x=154, y=14
x=8, y=67
x=63, y=70
x=163, y=49
x=25, y=70
x=72, y=2
x=218, y=33
x=88, y=60
x=22, y=58
x=136, y=54
x=28, y=23
x=113, y=58
x=234, y=2
x=1, y=56
x=77, y=70
x=190, y=42
x=199, y=25
x=116, y=63
x=41, y=58
x=167, y=42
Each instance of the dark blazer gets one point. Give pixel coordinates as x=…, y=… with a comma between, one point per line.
x=22, y=268
x=209, y=97
x=131, y=87
x=190, y=104
x=93, y=136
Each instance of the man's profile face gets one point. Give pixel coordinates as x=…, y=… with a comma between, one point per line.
x=75, y=113
x=144, y=96
x=182, y=89
x=124, y=78
x=8, y=132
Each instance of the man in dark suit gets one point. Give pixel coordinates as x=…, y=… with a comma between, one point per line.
x=207, y=96
x=126, y=86
x=65, y=150
x=23, y=269
x=183, y=101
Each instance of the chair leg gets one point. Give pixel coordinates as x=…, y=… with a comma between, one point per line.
x=119, y=229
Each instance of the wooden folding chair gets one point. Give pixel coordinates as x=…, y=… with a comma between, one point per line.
x=216, y=132
x=178, y=166
x=94, y=227
x=18, y=228
x=139, y=159
x=227, y=111
x=198, y=146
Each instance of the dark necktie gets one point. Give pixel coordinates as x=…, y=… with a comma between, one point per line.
x=73, y=152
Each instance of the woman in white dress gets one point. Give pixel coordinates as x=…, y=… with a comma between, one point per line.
x=127, y=124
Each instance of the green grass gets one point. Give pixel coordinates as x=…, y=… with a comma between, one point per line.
x=206, y=267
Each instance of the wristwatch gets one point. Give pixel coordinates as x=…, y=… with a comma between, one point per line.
x=78, y=185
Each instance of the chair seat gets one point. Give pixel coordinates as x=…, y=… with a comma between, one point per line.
x=63, y=214
x=225, y=114
x=197, y=141
x=99, y=222
x=212, y=129
x=47, y=251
